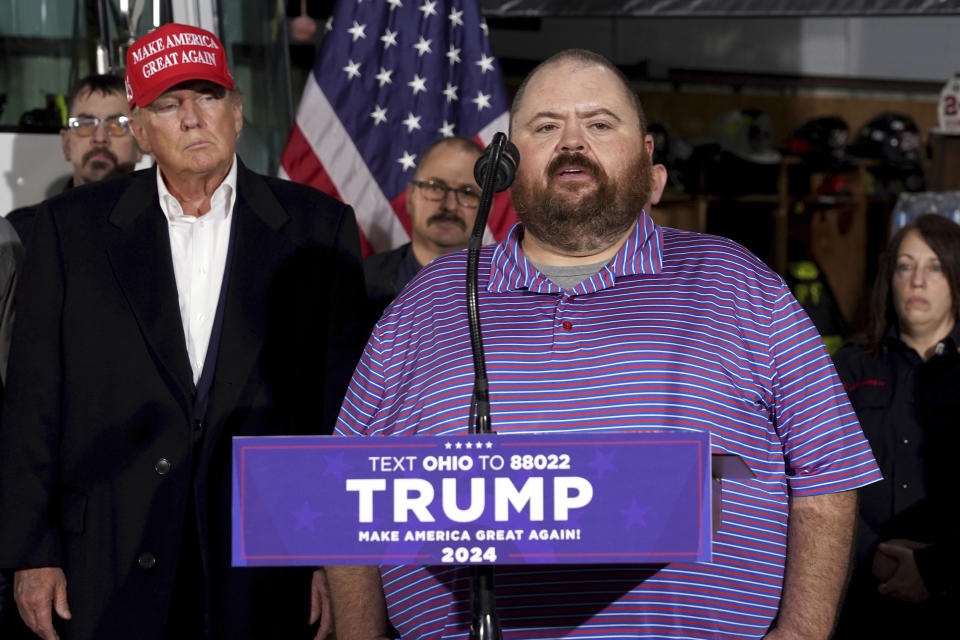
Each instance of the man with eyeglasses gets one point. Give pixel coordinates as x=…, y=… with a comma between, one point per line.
x=159, y=314
x=442, y=201
x=96, y=140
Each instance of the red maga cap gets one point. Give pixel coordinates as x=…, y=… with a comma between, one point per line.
x=172, y=54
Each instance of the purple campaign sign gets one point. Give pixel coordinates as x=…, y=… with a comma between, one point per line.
x=511, y=499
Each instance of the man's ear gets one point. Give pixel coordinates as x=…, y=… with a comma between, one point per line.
x=658, y=180
x=65, y=143
x=137, y=130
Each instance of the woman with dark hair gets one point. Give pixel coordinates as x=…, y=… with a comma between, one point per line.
x=904, y=383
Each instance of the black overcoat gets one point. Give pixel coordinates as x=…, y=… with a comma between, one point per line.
x=101, y=394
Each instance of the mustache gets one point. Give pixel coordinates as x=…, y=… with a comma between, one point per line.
x=102, y=151
x=569, y=159
x=446, y=216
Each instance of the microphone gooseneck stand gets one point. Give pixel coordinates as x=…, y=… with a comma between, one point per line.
x=494, y=171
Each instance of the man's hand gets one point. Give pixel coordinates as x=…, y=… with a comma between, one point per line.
x=904, y=582
x=320, y=604
x=35, y=590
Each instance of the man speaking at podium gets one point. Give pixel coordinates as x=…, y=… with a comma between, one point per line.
x=595, y=318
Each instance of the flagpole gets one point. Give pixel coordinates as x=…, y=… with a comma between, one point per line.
x=494, y=172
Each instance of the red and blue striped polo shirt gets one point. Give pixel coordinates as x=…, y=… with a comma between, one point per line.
x=679, y=330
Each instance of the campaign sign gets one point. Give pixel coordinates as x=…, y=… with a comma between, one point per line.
x=471, y=499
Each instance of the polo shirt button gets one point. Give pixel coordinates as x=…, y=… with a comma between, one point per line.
x=147, y=561
x=162, y=467
x=567, y=325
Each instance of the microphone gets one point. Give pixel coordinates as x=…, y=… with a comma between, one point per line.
x=506, y=167
x=494, y=171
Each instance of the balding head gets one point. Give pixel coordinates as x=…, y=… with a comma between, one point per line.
x=578, y=58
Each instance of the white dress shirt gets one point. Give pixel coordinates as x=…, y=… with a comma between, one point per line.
x=199, y=248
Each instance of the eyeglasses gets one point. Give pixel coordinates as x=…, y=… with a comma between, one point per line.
x=84, y=126
x=437, y=191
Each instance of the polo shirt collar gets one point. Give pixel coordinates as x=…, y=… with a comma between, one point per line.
x=641, y=254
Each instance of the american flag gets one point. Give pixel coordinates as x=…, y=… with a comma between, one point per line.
x=391, y=77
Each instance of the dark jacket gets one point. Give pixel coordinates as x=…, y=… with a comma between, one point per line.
x=23, y=218
x=97, y=446
x=909, y=410
x=386, y=274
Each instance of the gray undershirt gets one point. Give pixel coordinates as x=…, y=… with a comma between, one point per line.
x=568, y=277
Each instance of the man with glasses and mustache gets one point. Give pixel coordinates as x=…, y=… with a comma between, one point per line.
x=96, y=140
x=442, y=200
x=596, y=318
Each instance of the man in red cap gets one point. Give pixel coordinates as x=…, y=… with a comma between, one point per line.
x=159, y=315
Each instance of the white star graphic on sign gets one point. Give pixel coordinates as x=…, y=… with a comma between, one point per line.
x=453, y=54
x=352, y=69
x=388, y=38
x=384, y=76
x=429, y=8
x=412, y=122
x=357, y=31
x=379, y=114
x=446, y=130
x=423, y=46
x=451, y=92
x=456, y=17
x=485, y=63
x=484, y=28
x=469, y=445
x=489, y=445
x=394, y=4
x=458, y=446
x=482, y=100
x=408, y=161
x=418, y=84
x=328, y=25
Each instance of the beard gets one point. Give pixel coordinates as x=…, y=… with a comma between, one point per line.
x=102, y=163
x=596, y=219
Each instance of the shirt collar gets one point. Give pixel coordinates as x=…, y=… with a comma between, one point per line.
x=641, y=254
x=221, y=204
x=951, y=343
